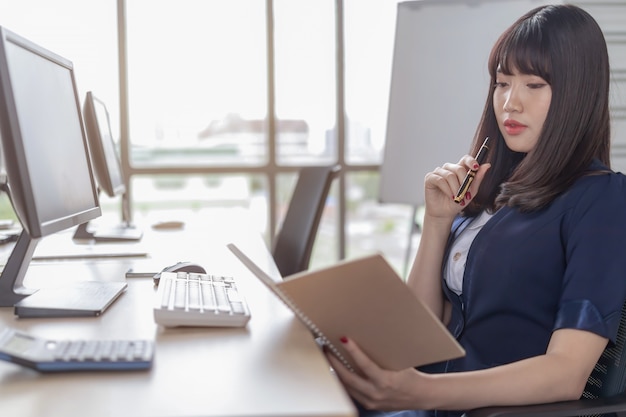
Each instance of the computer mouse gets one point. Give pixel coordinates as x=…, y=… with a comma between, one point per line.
x=184, y=266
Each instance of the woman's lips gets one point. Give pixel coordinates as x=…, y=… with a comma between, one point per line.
x=513, y=127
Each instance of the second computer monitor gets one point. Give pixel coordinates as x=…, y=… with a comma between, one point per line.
x=104, y=157
x=108, y=173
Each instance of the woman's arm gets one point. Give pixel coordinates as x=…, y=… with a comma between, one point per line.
x=440, y=188
x=425, y=276
x=559, y=374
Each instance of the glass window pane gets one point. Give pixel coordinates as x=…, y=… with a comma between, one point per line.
x=167, y=197
x=304, y=36
x=85, y=32
x=6, y=209
x=197, y=82
x=369, y=37
x=189, y=192
x=374, y=227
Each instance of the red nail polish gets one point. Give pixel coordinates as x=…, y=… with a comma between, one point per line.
x=468, y=196
x=344, y=339
x=476, y=166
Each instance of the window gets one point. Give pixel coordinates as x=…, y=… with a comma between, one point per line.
x=305, y=79
x=369, y=27
x=226, y=99
x=197, y=82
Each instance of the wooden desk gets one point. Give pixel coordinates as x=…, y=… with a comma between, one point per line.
x=272, y=367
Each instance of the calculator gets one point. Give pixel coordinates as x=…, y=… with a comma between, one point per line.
x=47, y=355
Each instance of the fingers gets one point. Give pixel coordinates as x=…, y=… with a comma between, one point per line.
x=367, y=366
x=449, y=178
x=360, y=359
x=478, y=179
x=354, y=383
x=373, y=387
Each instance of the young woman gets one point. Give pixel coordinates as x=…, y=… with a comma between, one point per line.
x=527, y=271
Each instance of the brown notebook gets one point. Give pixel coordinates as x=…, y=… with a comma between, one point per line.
x=365, y=300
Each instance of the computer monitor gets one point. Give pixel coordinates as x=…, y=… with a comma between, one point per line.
x=108, y=172
x=106, y=163
x=48, y=170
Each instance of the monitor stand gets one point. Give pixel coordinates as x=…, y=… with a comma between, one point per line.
x=89, y=298
x=12, y=288
x=122, y=233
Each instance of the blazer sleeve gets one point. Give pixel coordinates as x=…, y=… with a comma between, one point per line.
x=594, y=238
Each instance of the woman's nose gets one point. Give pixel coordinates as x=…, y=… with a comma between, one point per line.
x=513, y=102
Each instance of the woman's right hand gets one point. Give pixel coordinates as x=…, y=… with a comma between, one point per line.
x=442, y=184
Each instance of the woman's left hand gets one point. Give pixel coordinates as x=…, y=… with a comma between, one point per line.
x=376, y=388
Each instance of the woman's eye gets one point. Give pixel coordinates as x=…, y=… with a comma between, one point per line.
x=536, y=85
x=500, y=84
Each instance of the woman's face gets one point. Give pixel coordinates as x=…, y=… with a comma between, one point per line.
x=521, y=103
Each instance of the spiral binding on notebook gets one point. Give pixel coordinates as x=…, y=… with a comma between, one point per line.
x=267, y=280
x=318, y=333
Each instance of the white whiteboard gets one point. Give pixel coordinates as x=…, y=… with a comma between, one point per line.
x=439, y=84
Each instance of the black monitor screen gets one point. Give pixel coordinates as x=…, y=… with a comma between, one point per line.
x=46, y=153
x=104, y=155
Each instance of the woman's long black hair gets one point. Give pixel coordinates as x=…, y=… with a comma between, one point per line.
x=565, y=46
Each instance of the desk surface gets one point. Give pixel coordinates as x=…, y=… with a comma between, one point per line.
x=272, y=367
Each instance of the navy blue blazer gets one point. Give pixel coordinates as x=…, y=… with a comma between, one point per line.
x=528, y=274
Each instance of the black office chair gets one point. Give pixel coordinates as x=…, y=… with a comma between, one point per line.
x=604, y=393
x=294, y=241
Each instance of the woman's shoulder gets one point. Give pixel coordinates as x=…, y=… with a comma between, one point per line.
x=599, y=186
x=602, y=179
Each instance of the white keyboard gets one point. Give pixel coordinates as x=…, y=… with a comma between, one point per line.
x=191, y=299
